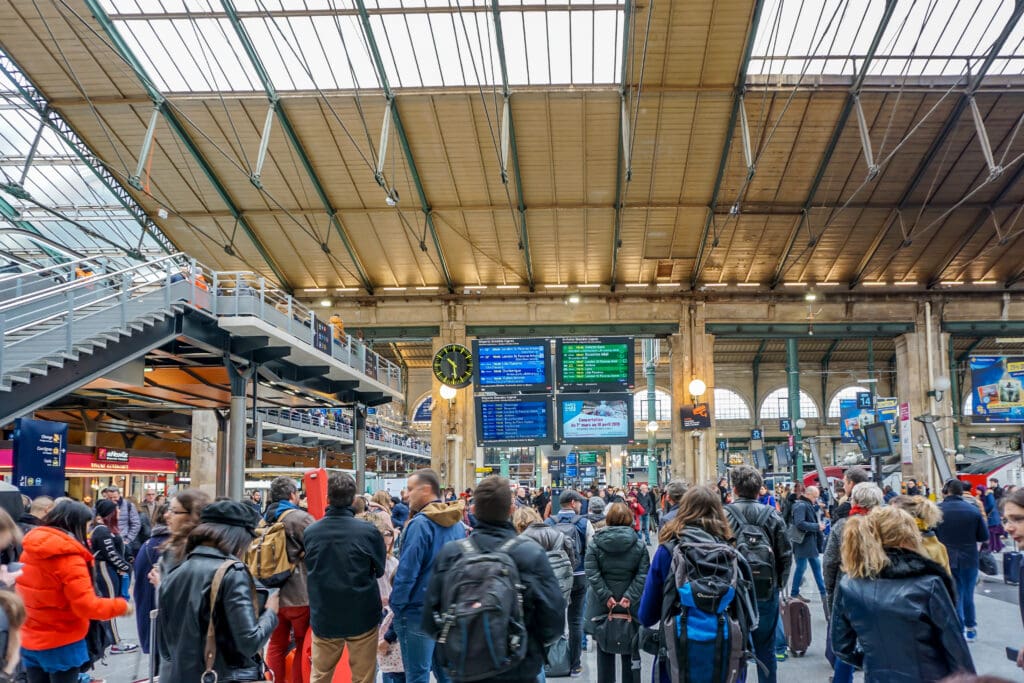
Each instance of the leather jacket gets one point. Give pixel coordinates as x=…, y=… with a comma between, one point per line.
x=184, y=615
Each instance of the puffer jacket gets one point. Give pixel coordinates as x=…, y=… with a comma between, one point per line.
x=902, y=626
x=56, y=585
x=185, y=614
x=550, y=539
x=616, y=565
x=421, y=540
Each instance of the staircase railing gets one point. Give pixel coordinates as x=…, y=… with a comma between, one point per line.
x=377, y=437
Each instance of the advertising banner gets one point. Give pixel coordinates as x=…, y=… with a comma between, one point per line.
x=40, y=456
x=695, y=417
x=606, y=420
x=851, y=417
x=906, y=444
x=996, y=383
x=888, y=410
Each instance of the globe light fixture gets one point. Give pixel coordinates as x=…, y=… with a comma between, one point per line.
x=652, y=426
x=448, y=393
x=801, y=423
x=697, y=387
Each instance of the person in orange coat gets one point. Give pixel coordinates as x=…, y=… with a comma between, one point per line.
x=56, y=585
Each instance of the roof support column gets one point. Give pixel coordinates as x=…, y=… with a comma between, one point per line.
x=622, y=160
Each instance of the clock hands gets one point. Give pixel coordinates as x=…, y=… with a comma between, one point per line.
x=455, y=368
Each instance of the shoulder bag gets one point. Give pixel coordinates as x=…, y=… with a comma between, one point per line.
x=210, y=649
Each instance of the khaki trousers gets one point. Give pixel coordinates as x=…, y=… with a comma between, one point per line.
x=362, y=657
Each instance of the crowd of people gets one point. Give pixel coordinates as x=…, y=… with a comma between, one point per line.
x=498, y=583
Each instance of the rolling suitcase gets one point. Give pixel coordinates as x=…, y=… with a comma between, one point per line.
x=1011, y=567
x=796, y=623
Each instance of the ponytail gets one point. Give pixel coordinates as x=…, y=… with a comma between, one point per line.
x=862, y=552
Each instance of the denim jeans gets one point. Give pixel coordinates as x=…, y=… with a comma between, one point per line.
x=417, y=650
x=966, y=577
x=781, y=647
x=764, y=637
x=842, y=672
x=575, y=619
x=645, y=526
x=798, y=574
x=398, y=677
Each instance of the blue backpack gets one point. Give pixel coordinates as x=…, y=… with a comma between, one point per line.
x=707, y=610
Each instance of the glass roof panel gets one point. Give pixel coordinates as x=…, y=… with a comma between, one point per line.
x=933, y=38
x=190, y=45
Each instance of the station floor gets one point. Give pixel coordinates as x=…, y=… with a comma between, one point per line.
x=999, y=626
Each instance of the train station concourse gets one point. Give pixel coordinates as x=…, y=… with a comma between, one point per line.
x=578, y=244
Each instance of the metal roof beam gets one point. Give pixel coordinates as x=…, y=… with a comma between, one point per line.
x=55, y=122
x=126, y=53
x=293, y=139
x=837, y=132
x=723, y=162
x=396, y=118
x=970, y=349
x=620, y=158
x=951, y=121
x=524, y=234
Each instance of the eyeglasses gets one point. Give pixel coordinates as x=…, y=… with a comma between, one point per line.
x=178, y=512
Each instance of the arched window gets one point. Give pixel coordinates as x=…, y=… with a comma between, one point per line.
x=730, y=406
x=662, y=406
x=847, y=393
x=423, y=411
x=776, y=405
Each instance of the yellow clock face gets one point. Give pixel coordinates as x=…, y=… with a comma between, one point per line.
x=453, y=365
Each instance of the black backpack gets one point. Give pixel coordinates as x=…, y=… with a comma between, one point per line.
x=753, y=544
x=482, y=632
x=571, y=529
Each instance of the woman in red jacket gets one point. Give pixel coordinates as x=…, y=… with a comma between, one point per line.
x=638, y=511
x=56, y=585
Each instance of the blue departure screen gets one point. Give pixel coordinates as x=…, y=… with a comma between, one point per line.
x=503, y=364
x=514, y=421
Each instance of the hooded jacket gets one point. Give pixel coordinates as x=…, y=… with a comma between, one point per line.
x=550, y=539
x=56, y=585
x=616, y=563
x=294, y=592
x=543, y=605
x=902, y=626
x=421, y=541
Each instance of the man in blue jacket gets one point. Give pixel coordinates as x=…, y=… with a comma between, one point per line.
x=569, y=522
x=962, y=528
x=433, y=524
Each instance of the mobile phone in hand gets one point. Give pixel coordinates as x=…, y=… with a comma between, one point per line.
x=1012, y=654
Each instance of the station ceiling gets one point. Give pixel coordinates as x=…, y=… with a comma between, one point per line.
x=717, y=143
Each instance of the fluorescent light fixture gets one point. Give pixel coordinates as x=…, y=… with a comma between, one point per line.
x=715, y=284
x=668, y=284
x=314, y=290
x=810, y=296
x=507, y=287
x=794, y=284
x=828, y=284
x=637, y=284
x=984, y=282
x=590, y=285
x=748, y=284
x=573, y=299
x=148, y=369
x=556, y=286
x=427, y=288
x=326, y=303
x=394, y=289
x=951, y=283
x=999, y=340
x=476, y=286
x=346, y=290
x=877, y=283
x=905, y=283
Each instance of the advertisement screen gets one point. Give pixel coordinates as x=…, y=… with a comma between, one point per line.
x=514, y=421
x=595, y=363
x=996, y=383
x=878, y=438
x=596, y=418
x=851, y=418
x=512, y=365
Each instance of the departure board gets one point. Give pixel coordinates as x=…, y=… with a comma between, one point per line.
x=595, y=363
x=514, y=420
x=512, y=365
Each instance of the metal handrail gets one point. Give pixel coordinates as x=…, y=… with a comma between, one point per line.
x=305, y=418
x=83, y=282
x=39, y=271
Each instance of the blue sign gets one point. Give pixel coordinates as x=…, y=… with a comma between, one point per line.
x=512, y=364
x=517, y=421
x=756, y=435
x=40, y=455
x=570, y=459
x=556, y=465
x=723, y=444
x=424, y=410
x=996, y=389
x=785, y=425
x=571, y=471
x=852, y=418
x=865, y=400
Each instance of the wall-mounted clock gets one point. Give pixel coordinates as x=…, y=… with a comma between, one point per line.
x=453, y=365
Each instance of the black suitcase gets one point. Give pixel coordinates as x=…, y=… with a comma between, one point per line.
x=1011, y=567
x=796, y=623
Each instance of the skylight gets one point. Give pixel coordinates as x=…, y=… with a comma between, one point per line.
x=922, y=38
x=190, y=45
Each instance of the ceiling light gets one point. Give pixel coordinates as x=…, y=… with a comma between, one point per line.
x=507, y=287
x=667, y=284
x=590, y=285
x=427, y=288
x=984, y=282
x=715, y=284
x=394, y=289
x=881, y=283
x=161, y=213
x=315, y=290
x=828, y=284
x=794, y=284
x=556, y=286
x=748, y=284
x=906, y=283
x=1009, y=340
x=636, y=284
x=476, y=286
x=951, y=283
x=346, y=290
x=573, y=299
x=326, y=303
x=148, y=370
x=810, y=296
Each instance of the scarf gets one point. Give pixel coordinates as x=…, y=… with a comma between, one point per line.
x=858, y=510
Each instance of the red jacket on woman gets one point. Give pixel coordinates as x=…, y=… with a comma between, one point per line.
x=56, y=585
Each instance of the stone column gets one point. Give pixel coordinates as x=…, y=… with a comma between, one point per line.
x=692, y=357
x=203, y=463
x=453, y=429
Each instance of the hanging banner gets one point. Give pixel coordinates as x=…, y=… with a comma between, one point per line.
x=851, y=417
x=40, y=456
x=996, y=383
x=906, y=444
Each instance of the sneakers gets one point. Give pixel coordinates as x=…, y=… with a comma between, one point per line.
x=971, y=635
x=781, y=656
x=123, y=648
x=576, y=672
x=799, y=597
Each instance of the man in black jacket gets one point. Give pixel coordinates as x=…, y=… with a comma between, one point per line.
x=646, y=500
x=543, y=605
x=962, y=528
x=851, y=478
x=344, y=558
x=746, y=485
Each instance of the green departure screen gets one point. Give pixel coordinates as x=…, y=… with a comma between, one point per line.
x=596, y=362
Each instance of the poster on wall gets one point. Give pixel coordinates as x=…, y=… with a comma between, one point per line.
x=996, y=383
x=852, y=418
x=40, y=456
x=596, y=418
x=906, y=444
x=695, y=417
x=888, y=410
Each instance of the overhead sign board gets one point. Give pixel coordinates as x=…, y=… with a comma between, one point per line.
x=756, y=435
x=785, y=425
x=40, y=457
x=595, y=363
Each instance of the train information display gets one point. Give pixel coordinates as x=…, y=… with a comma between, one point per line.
x=512, y=365
x=598, y=363
x=514, y=420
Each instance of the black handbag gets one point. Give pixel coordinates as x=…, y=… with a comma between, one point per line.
x=617, y=633
x=987, y=563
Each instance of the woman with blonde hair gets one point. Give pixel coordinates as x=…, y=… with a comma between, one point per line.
x=927, y=516
x=893, y=612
